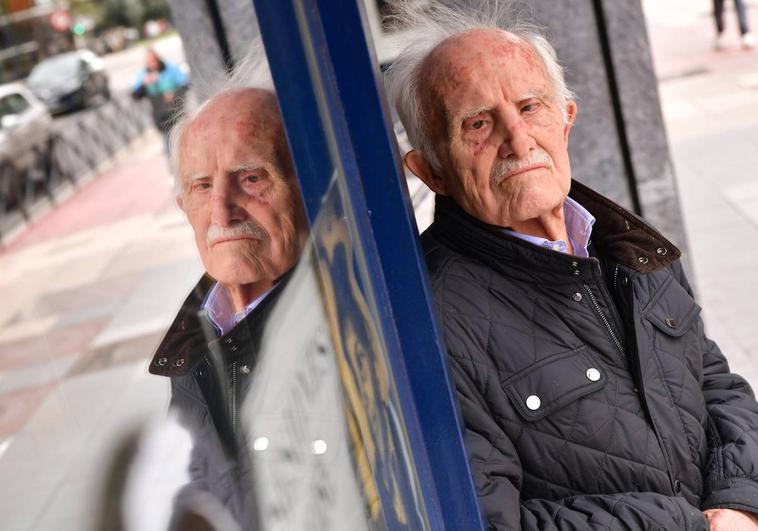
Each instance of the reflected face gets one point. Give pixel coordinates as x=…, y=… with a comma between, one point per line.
x=240, y=193
x=151, y=60
x=497, y=128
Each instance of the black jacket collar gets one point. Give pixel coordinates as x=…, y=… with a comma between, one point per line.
x=618, y=234
x=191, y=336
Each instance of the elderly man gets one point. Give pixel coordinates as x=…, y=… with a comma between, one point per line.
x=591, y=397
x=238, y=189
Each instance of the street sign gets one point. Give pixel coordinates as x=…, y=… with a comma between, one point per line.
x=60, y=20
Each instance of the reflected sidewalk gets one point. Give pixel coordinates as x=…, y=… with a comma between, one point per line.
x=88, y=289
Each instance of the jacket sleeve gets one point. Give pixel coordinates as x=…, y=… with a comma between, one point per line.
x=731, y=474
x=497, y=474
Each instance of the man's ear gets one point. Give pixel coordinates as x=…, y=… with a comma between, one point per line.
x=571, y=110
x=420, y=167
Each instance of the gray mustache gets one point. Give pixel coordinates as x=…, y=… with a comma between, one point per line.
x=246, y=229
x=508, y=166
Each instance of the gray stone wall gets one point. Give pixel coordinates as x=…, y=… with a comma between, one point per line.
x=241, y=25
x=201, y=48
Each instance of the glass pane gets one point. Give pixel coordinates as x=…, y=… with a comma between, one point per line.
x=288, y=418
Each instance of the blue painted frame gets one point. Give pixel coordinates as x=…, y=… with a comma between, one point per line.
x=330, y=92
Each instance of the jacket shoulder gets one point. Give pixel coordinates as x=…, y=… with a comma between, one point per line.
x=445, y=265
x=461, y=289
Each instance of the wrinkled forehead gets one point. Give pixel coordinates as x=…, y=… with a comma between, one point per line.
x=241, y=128
x=469, y=62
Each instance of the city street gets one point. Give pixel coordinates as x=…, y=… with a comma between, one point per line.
x=89, y=287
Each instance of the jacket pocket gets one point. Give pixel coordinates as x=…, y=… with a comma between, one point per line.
x=554, y=382
x=672, y=310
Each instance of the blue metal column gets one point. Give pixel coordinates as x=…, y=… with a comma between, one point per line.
x=329, y=90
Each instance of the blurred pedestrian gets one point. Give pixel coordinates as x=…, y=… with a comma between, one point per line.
x=747, y=38
x=164, y=84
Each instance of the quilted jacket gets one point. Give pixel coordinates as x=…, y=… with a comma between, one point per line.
x=591, y=396
x=209, y=376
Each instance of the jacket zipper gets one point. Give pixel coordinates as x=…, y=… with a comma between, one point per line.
x=605, y=321
x=234, y=397
x=615, y=278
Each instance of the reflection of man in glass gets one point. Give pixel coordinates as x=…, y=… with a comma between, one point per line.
x=237, y=187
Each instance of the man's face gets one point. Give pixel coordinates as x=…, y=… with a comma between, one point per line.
x=496, y=127
x=239, y=192
x=151, y=60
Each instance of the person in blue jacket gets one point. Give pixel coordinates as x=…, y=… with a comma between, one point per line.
x=164, y=84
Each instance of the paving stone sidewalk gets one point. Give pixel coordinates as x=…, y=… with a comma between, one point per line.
x=710, y=105
x=87, y=291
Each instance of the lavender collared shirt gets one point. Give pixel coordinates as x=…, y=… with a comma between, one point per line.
x=578, y=227
x=220, y=310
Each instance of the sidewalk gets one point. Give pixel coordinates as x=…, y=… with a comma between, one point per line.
x=87, y=291
x=710, y=106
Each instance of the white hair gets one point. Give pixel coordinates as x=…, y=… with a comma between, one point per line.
x=427, y=24
x=252, y=72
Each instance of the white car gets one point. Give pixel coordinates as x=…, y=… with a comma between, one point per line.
x=25, y=129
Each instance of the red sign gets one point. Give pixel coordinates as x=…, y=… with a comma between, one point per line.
x=60, y=20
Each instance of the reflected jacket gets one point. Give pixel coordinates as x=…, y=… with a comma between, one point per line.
x=209, y=379
x=590, y=394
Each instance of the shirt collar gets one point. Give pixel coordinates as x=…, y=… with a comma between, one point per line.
x=578, y=227
x=218, y=305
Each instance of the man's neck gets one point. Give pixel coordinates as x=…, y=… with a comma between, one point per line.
x=242, y=295
x=551, y=226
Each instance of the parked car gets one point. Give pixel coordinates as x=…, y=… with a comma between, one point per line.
x=25, y=131
x=69, y=81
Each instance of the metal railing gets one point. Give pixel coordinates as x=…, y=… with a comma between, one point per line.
x=79, y=145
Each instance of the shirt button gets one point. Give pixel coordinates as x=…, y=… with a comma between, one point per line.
x=577, y=296
x=162, y=362
x=677, y=486
x=593, y=375
x=643, y=260
x=179, y=362
x=671, y=322
x=245, y=369
x=533, y=402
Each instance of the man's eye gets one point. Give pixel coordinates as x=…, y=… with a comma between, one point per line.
x=252, y=178
x=475, y=124
x=530, y=107
x=199, y=187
